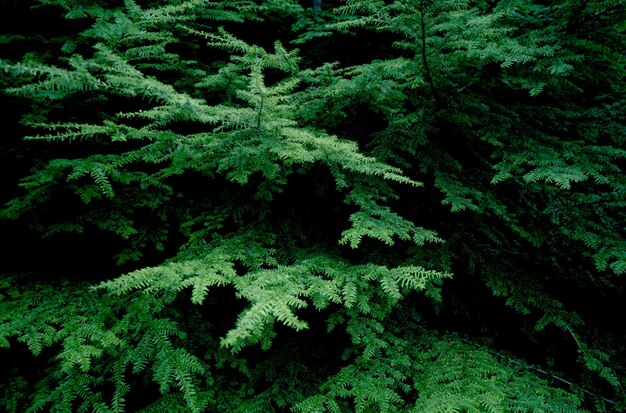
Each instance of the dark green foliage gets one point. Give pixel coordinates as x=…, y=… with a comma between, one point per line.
x=287, y=221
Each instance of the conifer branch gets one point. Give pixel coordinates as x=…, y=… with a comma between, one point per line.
x=527, y=366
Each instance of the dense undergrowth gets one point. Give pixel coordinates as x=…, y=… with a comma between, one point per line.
x=258, y=206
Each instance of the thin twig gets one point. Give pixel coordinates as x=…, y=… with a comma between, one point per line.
x=538, y=370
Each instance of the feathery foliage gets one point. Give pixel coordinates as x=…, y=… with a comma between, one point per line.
x=305, y=208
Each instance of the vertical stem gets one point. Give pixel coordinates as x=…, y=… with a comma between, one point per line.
x=317, y=9
x=574, y=15
x=427, y=74
x=258, y=116
x=261, y=103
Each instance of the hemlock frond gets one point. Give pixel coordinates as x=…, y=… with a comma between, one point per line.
x=199, y=274
x=275, y=212
x=379, y=222
x=90, y=338
x=471, y=379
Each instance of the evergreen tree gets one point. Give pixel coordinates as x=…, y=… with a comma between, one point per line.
x=317, y=209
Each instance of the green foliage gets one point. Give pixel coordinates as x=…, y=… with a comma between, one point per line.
x=445, y=374
x=286, y=220
x=462, y=378
x=109, y=342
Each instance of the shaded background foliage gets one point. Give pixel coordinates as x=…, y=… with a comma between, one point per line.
x=379, y=206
